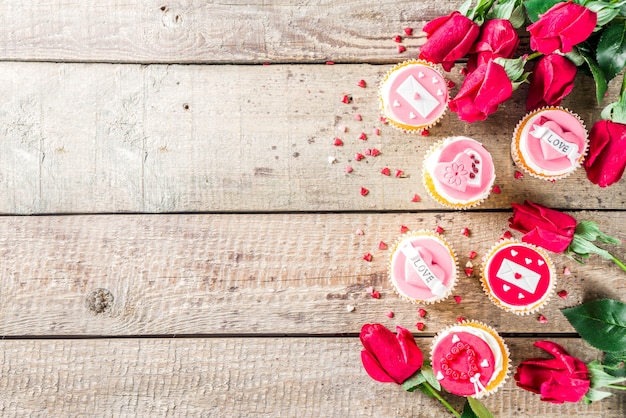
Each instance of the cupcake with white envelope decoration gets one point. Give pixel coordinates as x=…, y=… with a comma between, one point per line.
x=518, y=277
x=413, y=95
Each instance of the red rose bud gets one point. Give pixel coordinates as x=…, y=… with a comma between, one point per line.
x=607, y=153
x=544, y=227
x=561, y=27
x=560, y=379
x=551, y=80
x=482, y=92
x=388, y=357
x=497, y=39
x=449, y=38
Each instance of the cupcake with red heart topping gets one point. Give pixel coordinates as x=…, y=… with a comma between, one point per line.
x=422, y=267
x=470, y=359
x=458, y=172
x=549, y=143
x=518, y=277
x=413, y=96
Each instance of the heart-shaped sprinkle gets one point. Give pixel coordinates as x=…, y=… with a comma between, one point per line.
x=455, y=339
x=416, y=198
x=403, y=229
x=520, y=296
x=420, y=75
x=382, y=245
x=484, y=363
x=439, y=92
x=375, y=152
x=528, y=260
x=514, y=253
x=367, y=257
x=401, y=49
x=439, y=375
x=506, y=287
x=385, y=171
x=358, y=117
x=358, y=156
x=348, y=169
x=518, y=275
x=435, y=80
x=397, y=38
x=364, y=191
x=396, y=103
x=338, y=142
x=361, y=83
x=363, y=136
x=541, y=262
x=412, y=115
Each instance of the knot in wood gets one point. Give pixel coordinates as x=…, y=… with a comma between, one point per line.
x=100, y=301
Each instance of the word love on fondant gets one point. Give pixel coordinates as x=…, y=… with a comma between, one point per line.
x=556, y=142
x=422, y=269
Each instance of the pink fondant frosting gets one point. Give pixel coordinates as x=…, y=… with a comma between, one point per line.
x=415, y=95
x=553, y=142
x=519, y=275
x=462, y=170
x=460, y=360
x=413, y=281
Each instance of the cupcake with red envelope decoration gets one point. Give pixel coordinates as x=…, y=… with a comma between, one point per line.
x=458, y=172
x=549, y=143
x=422, y=267
x=518, y=277
x=470, y=359
x=413, y=96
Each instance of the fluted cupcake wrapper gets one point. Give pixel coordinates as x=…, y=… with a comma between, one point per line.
x=518, y=158
x=521, y=310
x=423, y=233
x=495, y=382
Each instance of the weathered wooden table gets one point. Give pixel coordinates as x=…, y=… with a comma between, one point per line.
x=194, y=252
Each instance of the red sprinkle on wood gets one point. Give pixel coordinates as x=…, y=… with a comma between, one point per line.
x=390, y=314
x=345, y=99
x=330, y=62
x=451, y=84
x=408, y=31
x=385, y=171
x=348, y=169
x=518, y=175
x=338, y=142
x=358, y=156
x=376, y=131
x=566, y=271
x=367, y=257
x=359, y=232
x=460, y=319
x=507, y=235
x=376, y=294
x=358, y=117
x=416, y=198
x=364, y=191
x=421, y=312
x=361, y=83
x=363, y=136
x=496, y=189
x=368, y=151
x=401, y=49
x=424, y=132
x=439, y=230
x=562, y=294
x=457, y=299
x=397, y=38
x=403, y=229
x=469, y=271
x=542, y=319
x=420, y=326
x=472, y=255
x=399, y=173
x=465, y=231
x=375, y=152
x=383, y=120
x=382, y=245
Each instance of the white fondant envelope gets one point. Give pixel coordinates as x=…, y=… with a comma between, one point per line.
x=529, y=280
x=426, y=102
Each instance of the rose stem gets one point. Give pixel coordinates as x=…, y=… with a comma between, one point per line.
x=437, y=396
x=618, y=262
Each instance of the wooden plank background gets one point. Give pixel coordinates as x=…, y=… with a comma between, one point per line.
x=183, y=189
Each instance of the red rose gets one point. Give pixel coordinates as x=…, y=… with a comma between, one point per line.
x=388, y=357
x=481, y=93
x=560, y=28
x=560, y=379
x=544, y=227
x=607, y=153
x=497, y=39
x=449, y=38
x=552, y=79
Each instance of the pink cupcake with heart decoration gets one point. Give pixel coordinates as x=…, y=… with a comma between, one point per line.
x=549, y=143
x=470, y=359
x=458, y=172
x=422, y=267
x=518, y=277
x=413, y=96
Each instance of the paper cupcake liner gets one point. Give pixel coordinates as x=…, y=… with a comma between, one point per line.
x=400, y=126
x=521, y=310
x=516, y=153
x=421, y=233
x=501, y=378
x=429, y=184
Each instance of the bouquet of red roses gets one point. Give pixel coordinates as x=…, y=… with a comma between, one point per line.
x=564, y=36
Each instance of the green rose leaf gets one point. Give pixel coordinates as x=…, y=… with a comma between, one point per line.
x=605, y=12
x=534, y=8
x=479, y=409
x=598, y=76
x=511, y=10
x=599, y=377
x=429, y=376
x=614, y=364
x=602, y=323
x=593, y=395
x=413, y=382
x=467, y=411
x=611, y=53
